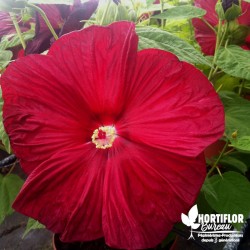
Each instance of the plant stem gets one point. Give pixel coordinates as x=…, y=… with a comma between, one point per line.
x=219, y=40
x=219, y=88
x=241, y=87
x=218, y=159
x=18, y=30
x=215, y=70
x=191, y=30
x=218, y=169
x=162, y=9
x=105, y=12
x=12, y=168
x=229, y=152
x=223, y=36
x=45, y=18
x=216, y=49
x=226, y=43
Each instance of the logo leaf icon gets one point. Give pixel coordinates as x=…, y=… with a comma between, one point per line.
x=190, y=219
x=185, y=220
x=193, y=214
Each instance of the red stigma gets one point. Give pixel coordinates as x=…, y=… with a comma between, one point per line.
x=101, y=134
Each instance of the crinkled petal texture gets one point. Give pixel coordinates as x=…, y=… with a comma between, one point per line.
x=205, y=36
x=170, y=106
x=165, y=113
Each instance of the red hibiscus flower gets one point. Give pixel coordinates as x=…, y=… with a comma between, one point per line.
x=206, y=37
x=111, y=138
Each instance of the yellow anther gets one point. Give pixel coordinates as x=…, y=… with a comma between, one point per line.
x=103, y=137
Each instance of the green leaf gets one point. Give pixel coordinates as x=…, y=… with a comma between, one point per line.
x=155, y=7
x=246, y=86
x=68, y=2
x=181, y=12
x=220, y=10
x=242, y=143
x=207, y=188
x=227, y=83
x=114, y=13
x=237, y=113
x=3, y=135
x=26, y=15
x=156, y=38
x=235, y=163
x=5, y=57
x=232, y=194
x=5, y=139
x=32, y=225
x=234, y=61
x=233, y=12
x=203, y=205
x=10, y=186
x=3, y=45
x=243, y=157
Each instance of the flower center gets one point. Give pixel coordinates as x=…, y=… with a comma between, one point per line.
x=104, y=136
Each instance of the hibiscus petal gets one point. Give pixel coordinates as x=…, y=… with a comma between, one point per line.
x=39, y=44
x=43, y=110
x=208, y=5
x=65, y=193
x=145, y=192
x=171, y=106
x=204, y=35
x=6, y=25
x=244, y=19
x=104, y=58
